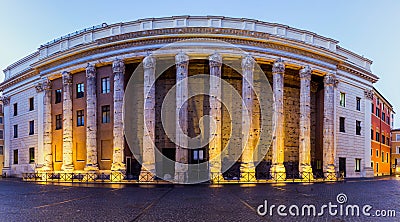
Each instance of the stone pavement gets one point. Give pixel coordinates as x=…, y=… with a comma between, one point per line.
x=24, y=201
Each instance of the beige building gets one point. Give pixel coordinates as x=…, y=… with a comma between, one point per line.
x=64, y=102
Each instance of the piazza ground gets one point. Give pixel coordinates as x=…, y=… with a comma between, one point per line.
x=24, y=201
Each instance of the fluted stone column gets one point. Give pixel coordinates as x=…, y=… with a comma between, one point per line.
x=247, y=168
x=148, y=162
x=181, y=156
x=91, y=119
x=7, y=135
x=329, y=124
x=278, y=143
x=305, y=124
x=118, y=68
x=368, y=170
x=47, y=126
x=67, y=122
x=215, y=145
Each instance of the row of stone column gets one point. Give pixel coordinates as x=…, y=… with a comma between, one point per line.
x=118, y=68
x=182, y=62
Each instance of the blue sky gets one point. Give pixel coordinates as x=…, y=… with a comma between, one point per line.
x=369, y=28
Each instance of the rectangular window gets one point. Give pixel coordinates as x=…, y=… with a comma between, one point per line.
x=58, y=96
x=15, y=131
x=1, y=120
x=398, y=149
x=383, y=116
x=383, y=139
x=105, y=114
x=341, y=124
x=397, y=137
x=377, y=153
x=15, y=109
x=15, y=156
x=358, y=165
x=80, y=90
x=358, y=127
x=358, y=103
x=198, y=155
x=31, y=155
x=31, y=127
x=387, y=141
x=377, y=167
x=372, y=134
x=31, y=104
x=377, y=136
x=105, y=85
x=80, y=118
x=387, y=157
x=342, y=99
x=58, y=121
x=1, y=150
x=1, y=135
x=378, y=112
x=388, y=120
x=383, y=156
x=372, y=108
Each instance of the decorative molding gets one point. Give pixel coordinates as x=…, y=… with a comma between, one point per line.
x=90, y=71
x=369, y=94
x=330, y=79
x=215, y=60
x=248, y=62
x=118, y=66
x=67, y=78
x=5, y=100
x=278, y=66
x=149, y=62
x=305, y=73
x=181, y=59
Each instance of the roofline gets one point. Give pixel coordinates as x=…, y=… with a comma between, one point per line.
x=375, y=90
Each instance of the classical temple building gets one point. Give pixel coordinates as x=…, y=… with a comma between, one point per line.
x=63, y=104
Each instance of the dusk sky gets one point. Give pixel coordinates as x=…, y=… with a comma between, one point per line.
x=369, y=28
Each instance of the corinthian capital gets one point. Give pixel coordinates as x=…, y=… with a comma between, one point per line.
x=215, y=60
x=369, y=94
x=279, y=66
x=305, y=73
x=118, y=66
x=181, y=59
x=330, y=79
x=66, y=77
x=149, y=62
x=248, y=62
x=90, y=71
x=5, y=100
x=43, y=85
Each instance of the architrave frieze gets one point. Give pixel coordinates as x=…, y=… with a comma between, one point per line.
x=166, y=36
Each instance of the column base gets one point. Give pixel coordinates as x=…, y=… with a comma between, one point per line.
x=6, y=172
x=247, y=172
x=330, y=172
x=278, y=172
x=117, y=176
x=118, y=166
x=181, y=172
x=306, y=172
x=67, y=168
x=91, y=168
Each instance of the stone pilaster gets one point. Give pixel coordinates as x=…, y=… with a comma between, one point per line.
x=278, y=144
x=215, y=145
x=247, y=168
x=47, y=125
x=67, y=122
x=305, y=124
x=368, y=170
x=91, y=119
x=181, y=156
x=7, y=127
x=329, y=124
x=148, y=162
x=118, y=68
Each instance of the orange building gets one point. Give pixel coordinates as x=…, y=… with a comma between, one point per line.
x=381, y=125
